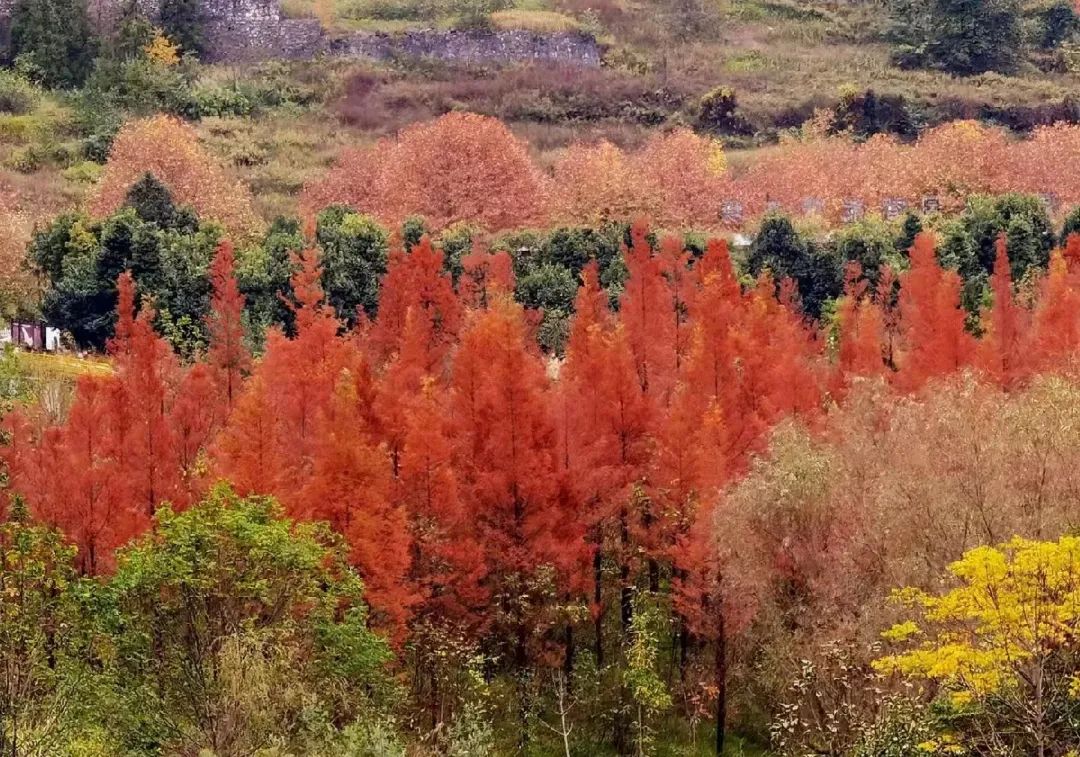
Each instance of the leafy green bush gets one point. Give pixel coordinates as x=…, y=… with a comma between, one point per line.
x=548, y=287
x=718, y=112
x=20, y=129
x=223, y=101
x=779, y=248
x=869, y=242
x=267, y=611
x=18, y=95
x=84, y=172
x=118, y=90
x=968, y=243
x=354, y=253
x=392, y=10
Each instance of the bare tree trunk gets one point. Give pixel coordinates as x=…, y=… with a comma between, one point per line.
x=721, y=685
x=598, y=599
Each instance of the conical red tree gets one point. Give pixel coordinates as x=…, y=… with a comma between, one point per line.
x=608, y=439
x=146, y=373
x=227, y=357
x=1055, y=329
x=932, y=321
x=349, y=486
x=417, y=281
x=649, y=314
x=448, y=562
x=504, y=445
x=861, y=327
x=1001, y=350
x=485, y=277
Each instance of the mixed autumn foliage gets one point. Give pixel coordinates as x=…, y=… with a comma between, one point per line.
x=467, y=168
x=682, y=179
x=526, y=504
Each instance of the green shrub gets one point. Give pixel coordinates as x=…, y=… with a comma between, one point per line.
x=717, y=111
x=26, y=160
x=119, y=90
x=84, y=172
x=391, y=10
x=354, y=254
x=20, y=129
x=223, y=101
x=476, y=14
x=18, y=95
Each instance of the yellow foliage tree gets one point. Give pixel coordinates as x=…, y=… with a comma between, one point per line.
x=1003, y=642
x=162, y=51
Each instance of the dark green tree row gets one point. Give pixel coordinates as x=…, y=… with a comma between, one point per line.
x=168, y=250
x=817, y=264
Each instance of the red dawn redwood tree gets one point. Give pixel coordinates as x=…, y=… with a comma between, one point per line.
x=146, y=372
x=649, y=315
x=504, y=453
x=607, y=428
x=448, y=562
x=228, y=357
x=1055, y=328
x=417, y=280
x=860, y=326
x=195, y=417
x=1001, y=350
x=932, y=321
x=484, y=277
x=350, y=487
x=87, y=502
x=303, y=432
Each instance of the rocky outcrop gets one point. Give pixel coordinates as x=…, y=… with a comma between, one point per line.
x=472, y=47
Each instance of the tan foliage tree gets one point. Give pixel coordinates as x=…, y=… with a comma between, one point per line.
x=684, y=175
x=19, y=288
x=169, y=149
x=597, y=183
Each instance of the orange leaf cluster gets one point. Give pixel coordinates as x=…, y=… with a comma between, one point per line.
x=470, y=168
x=460, y=167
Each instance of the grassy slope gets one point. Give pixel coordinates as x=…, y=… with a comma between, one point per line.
x=782, y=57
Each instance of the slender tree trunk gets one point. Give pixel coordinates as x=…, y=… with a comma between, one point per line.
x=721, y=684
x=568, y=658
x=684, y=647
x=626, y=590
x=598, y=599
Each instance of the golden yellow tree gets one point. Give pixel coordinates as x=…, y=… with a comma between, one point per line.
x=1002, y=643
